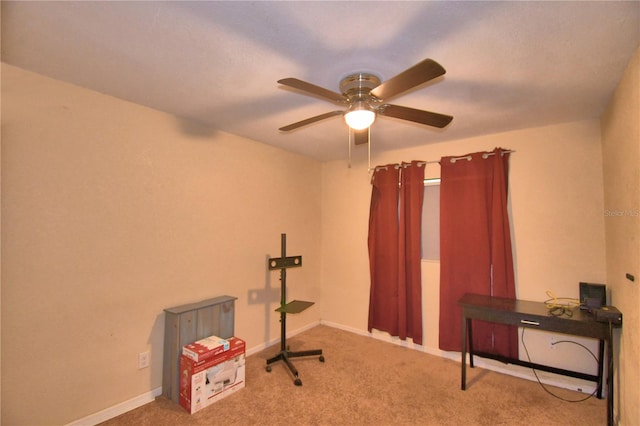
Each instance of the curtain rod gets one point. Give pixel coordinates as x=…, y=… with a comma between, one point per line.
x=405, y=165
x=484, y=156
x=453, y=160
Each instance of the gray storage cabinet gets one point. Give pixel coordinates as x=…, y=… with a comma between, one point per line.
x=186, y=324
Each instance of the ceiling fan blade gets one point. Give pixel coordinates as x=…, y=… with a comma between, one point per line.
x=416, y=115
x=310, y=120
x=313, y=89
x=412, y=77
x=361, y=137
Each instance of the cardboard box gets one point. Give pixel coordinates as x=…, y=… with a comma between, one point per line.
x=204, y=382
x=206, y=348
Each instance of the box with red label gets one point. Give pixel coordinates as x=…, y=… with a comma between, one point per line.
x=206, y=348
x=204, y=382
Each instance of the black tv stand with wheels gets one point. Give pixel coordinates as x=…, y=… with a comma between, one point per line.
x=285, y=308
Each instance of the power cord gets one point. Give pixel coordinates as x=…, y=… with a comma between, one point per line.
x=559, y=306
x=542, y=384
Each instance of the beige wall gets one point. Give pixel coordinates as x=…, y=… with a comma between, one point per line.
x=558, y=227
x=621, y=163
x=111, y=212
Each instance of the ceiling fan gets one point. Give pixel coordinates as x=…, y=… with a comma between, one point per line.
x=364, y=96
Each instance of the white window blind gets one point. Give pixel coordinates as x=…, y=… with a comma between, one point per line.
x=431, y=220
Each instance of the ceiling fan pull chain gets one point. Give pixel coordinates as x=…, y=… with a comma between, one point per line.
x=350, y=133
x=368, y=146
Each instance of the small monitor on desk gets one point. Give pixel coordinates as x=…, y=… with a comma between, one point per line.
x=592, y=296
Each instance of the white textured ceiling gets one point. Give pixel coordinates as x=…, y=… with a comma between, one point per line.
x=509, y=65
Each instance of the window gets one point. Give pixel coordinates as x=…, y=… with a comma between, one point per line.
x=431, y=220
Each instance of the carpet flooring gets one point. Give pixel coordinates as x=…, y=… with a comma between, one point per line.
x=365, y=381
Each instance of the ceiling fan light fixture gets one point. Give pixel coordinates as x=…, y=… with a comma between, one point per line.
x=359, y=117
x=365, y=97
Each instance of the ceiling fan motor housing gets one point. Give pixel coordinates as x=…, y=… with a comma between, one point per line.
x=356, y=87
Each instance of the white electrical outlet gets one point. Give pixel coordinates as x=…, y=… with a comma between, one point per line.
x=143, y=360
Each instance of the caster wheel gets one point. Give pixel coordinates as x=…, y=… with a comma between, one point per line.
x=321, y=358
x=297, y=382
x=268, y=369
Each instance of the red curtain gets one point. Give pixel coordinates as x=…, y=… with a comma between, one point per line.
x=475, y=247
x=395, y=222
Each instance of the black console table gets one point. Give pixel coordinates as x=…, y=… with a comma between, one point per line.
x=529, y=314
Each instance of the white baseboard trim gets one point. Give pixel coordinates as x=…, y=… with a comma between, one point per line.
x=116, y=410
